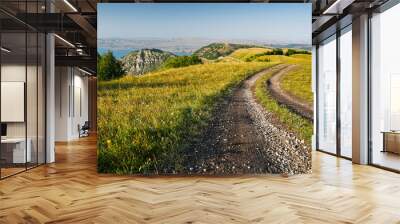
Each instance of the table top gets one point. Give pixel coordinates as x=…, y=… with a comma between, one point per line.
x=391, y=132
x=13, y=140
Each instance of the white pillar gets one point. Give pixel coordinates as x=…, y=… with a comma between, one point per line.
x=360, y=90
x=314, y=90
x=50, y=94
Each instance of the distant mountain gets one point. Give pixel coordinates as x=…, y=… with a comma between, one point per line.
x=294, y=46
x=145, y=60
x=216, y=50
x=185, y=46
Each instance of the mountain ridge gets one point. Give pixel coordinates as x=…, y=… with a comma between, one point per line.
x=220, y=49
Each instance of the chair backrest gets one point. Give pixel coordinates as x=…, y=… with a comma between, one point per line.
x=86, y=125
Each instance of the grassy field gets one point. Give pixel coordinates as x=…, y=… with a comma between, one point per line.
x=145, y=121
x=299, y=125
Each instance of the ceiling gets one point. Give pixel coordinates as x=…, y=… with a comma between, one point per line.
x=75, y=21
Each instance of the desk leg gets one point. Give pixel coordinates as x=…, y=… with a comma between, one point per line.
x=384, y=142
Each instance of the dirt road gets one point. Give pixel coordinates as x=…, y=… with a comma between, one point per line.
x=295, y=104
x=244, y=138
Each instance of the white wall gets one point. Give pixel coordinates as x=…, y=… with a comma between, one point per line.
x=12, y=73
x=62, y=82
x=70, y=83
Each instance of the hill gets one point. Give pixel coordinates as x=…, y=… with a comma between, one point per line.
x=145, y=60
x=216, y=50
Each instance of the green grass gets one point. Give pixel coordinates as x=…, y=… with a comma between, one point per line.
x=298, y=81
x=181, y=61
x=299, y=125
x=144, y=122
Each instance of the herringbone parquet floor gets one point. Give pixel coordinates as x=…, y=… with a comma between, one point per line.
x=70, y=191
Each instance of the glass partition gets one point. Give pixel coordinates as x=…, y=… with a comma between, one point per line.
x=327, y=95
x=14, y=153
x=22, y=101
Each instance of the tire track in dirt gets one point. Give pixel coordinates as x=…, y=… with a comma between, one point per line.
x=292, y=102
x=243, y=138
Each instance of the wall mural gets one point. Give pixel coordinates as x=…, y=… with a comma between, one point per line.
x=204, y=89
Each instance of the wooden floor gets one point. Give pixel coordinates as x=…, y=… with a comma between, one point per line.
x=387, y=159
x=5, y=172
x=70, y=191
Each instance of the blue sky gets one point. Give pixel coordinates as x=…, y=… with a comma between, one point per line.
x=290, y=23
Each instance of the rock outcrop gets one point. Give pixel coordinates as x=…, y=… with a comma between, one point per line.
x=142, y=61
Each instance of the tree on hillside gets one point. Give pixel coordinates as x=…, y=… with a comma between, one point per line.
x=98, y=61
x=108, y=67
x=182, y=61
x=277, y=51
x=293, y=51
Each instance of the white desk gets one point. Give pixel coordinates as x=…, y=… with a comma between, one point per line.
x=19, y=154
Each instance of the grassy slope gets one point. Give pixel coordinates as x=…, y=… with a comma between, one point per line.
x=243, y=54
x=298, y=82
x=146, y=120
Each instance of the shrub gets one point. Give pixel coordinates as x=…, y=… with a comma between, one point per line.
x=108, y=67
x=276, y=51
x=182, y=61
x=293, y=51
x=256, y=57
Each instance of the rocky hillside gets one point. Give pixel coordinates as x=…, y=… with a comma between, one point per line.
x=142, y=61
x=216, y=50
